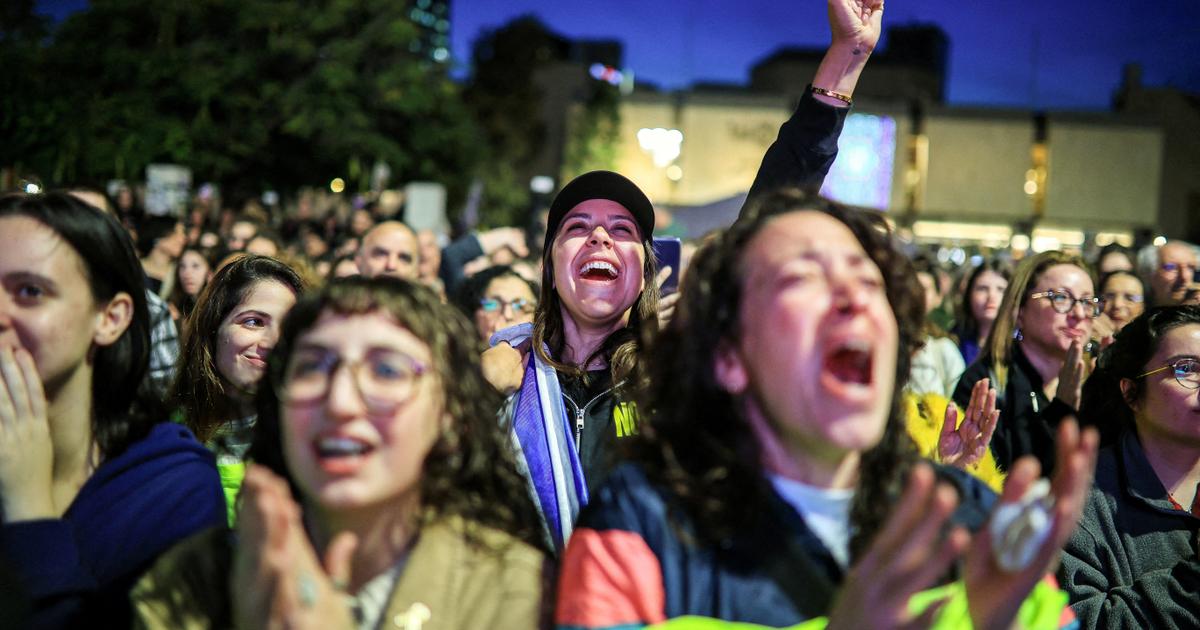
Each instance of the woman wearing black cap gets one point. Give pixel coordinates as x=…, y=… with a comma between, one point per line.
x=570, y=409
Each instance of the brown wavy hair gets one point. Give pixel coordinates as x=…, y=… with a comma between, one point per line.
x=200, y=391
x=620, y=349
x=698, y=443
x=472, y=472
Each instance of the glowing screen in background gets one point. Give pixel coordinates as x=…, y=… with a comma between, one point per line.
x=862, y=173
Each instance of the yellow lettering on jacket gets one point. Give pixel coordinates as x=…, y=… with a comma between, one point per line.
x=625, y=417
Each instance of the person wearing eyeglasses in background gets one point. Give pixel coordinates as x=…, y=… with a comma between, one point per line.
x=1172, y=280
x=1133, y=561
x=1034, y=355
x=496, y=298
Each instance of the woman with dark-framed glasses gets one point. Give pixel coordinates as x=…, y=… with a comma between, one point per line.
x=384, y=491
x=1035, y=355
x=1133, y=560
x=496, y=298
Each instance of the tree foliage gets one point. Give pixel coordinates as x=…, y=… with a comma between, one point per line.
x=270, y=93
x=504, y=97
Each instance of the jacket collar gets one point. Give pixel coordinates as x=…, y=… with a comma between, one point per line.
x=1138, y=476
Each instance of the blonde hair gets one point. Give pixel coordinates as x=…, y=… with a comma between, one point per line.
x=999, y=346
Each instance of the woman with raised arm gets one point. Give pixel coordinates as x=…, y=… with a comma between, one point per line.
x=768, y=486
x=94, y=481
x=572, y=406
x=384, y=493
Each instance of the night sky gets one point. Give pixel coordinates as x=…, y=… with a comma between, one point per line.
x=1053, y=54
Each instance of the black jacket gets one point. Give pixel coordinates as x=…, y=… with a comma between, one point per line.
x=1132, y=561
x=1028, y=420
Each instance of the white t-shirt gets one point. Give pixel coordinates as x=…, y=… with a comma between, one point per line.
x=826, y=512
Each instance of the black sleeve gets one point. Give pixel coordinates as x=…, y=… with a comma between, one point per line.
x=962, y=391
x=804, y=150
x=454, y=258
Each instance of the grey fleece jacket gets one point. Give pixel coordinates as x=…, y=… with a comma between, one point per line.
x=1132, y=562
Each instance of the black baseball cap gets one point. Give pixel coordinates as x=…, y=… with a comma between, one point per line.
x=601, y=185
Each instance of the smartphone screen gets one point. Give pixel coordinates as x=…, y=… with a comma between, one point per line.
x=667, y=251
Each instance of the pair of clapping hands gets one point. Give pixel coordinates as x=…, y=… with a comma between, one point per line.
x=914, y=548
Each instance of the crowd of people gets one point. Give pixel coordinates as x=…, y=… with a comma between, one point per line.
x=247, y=419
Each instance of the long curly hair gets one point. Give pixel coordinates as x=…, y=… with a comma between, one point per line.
x=698, y=442
x=206, y=399
x=470, y=472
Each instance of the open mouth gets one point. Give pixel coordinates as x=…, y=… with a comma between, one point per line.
x=850, y=362
x=341, y=447
x=598, y=270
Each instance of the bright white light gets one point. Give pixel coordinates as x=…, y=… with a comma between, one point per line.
x=663, y=145
x=440, y=54
x=1046, y=243
x=1030, y=187
x=541, y=184
x=674, y=173
x=32, y=189
x=1020, y=242
x=337, y=185
x=862, y=174
x=1159, y=241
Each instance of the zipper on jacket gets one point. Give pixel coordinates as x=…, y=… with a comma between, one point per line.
x=581, y=412
x=1033, y=399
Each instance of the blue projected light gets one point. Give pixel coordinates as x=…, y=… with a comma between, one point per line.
x=862, y=173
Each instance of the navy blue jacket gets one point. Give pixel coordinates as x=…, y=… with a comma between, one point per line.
x=79, y=568
x=732, y=581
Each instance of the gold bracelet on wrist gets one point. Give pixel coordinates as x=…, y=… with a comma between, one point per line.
x=831, y=94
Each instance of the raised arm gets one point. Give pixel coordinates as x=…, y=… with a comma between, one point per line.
x=807, y=143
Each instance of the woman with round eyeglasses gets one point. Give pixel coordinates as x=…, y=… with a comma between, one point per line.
x=496, y=298
x=1035, y=355
x=384, y=492
x=1124, y=296
x=1132, y=562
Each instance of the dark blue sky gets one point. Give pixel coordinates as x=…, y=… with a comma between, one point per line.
x=1017, y=53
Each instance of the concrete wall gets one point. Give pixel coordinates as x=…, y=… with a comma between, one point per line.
x=1103, y=173
x=1100, y=173
x=977, y=167
x=723, y=145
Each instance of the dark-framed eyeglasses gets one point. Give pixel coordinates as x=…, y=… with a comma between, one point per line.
x=1063, y=301
x=385, y=379
x=496, y=305
x=1187, y=371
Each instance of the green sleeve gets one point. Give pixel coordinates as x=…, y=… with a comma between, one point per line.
x=1042, y=610
x=231, y=483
